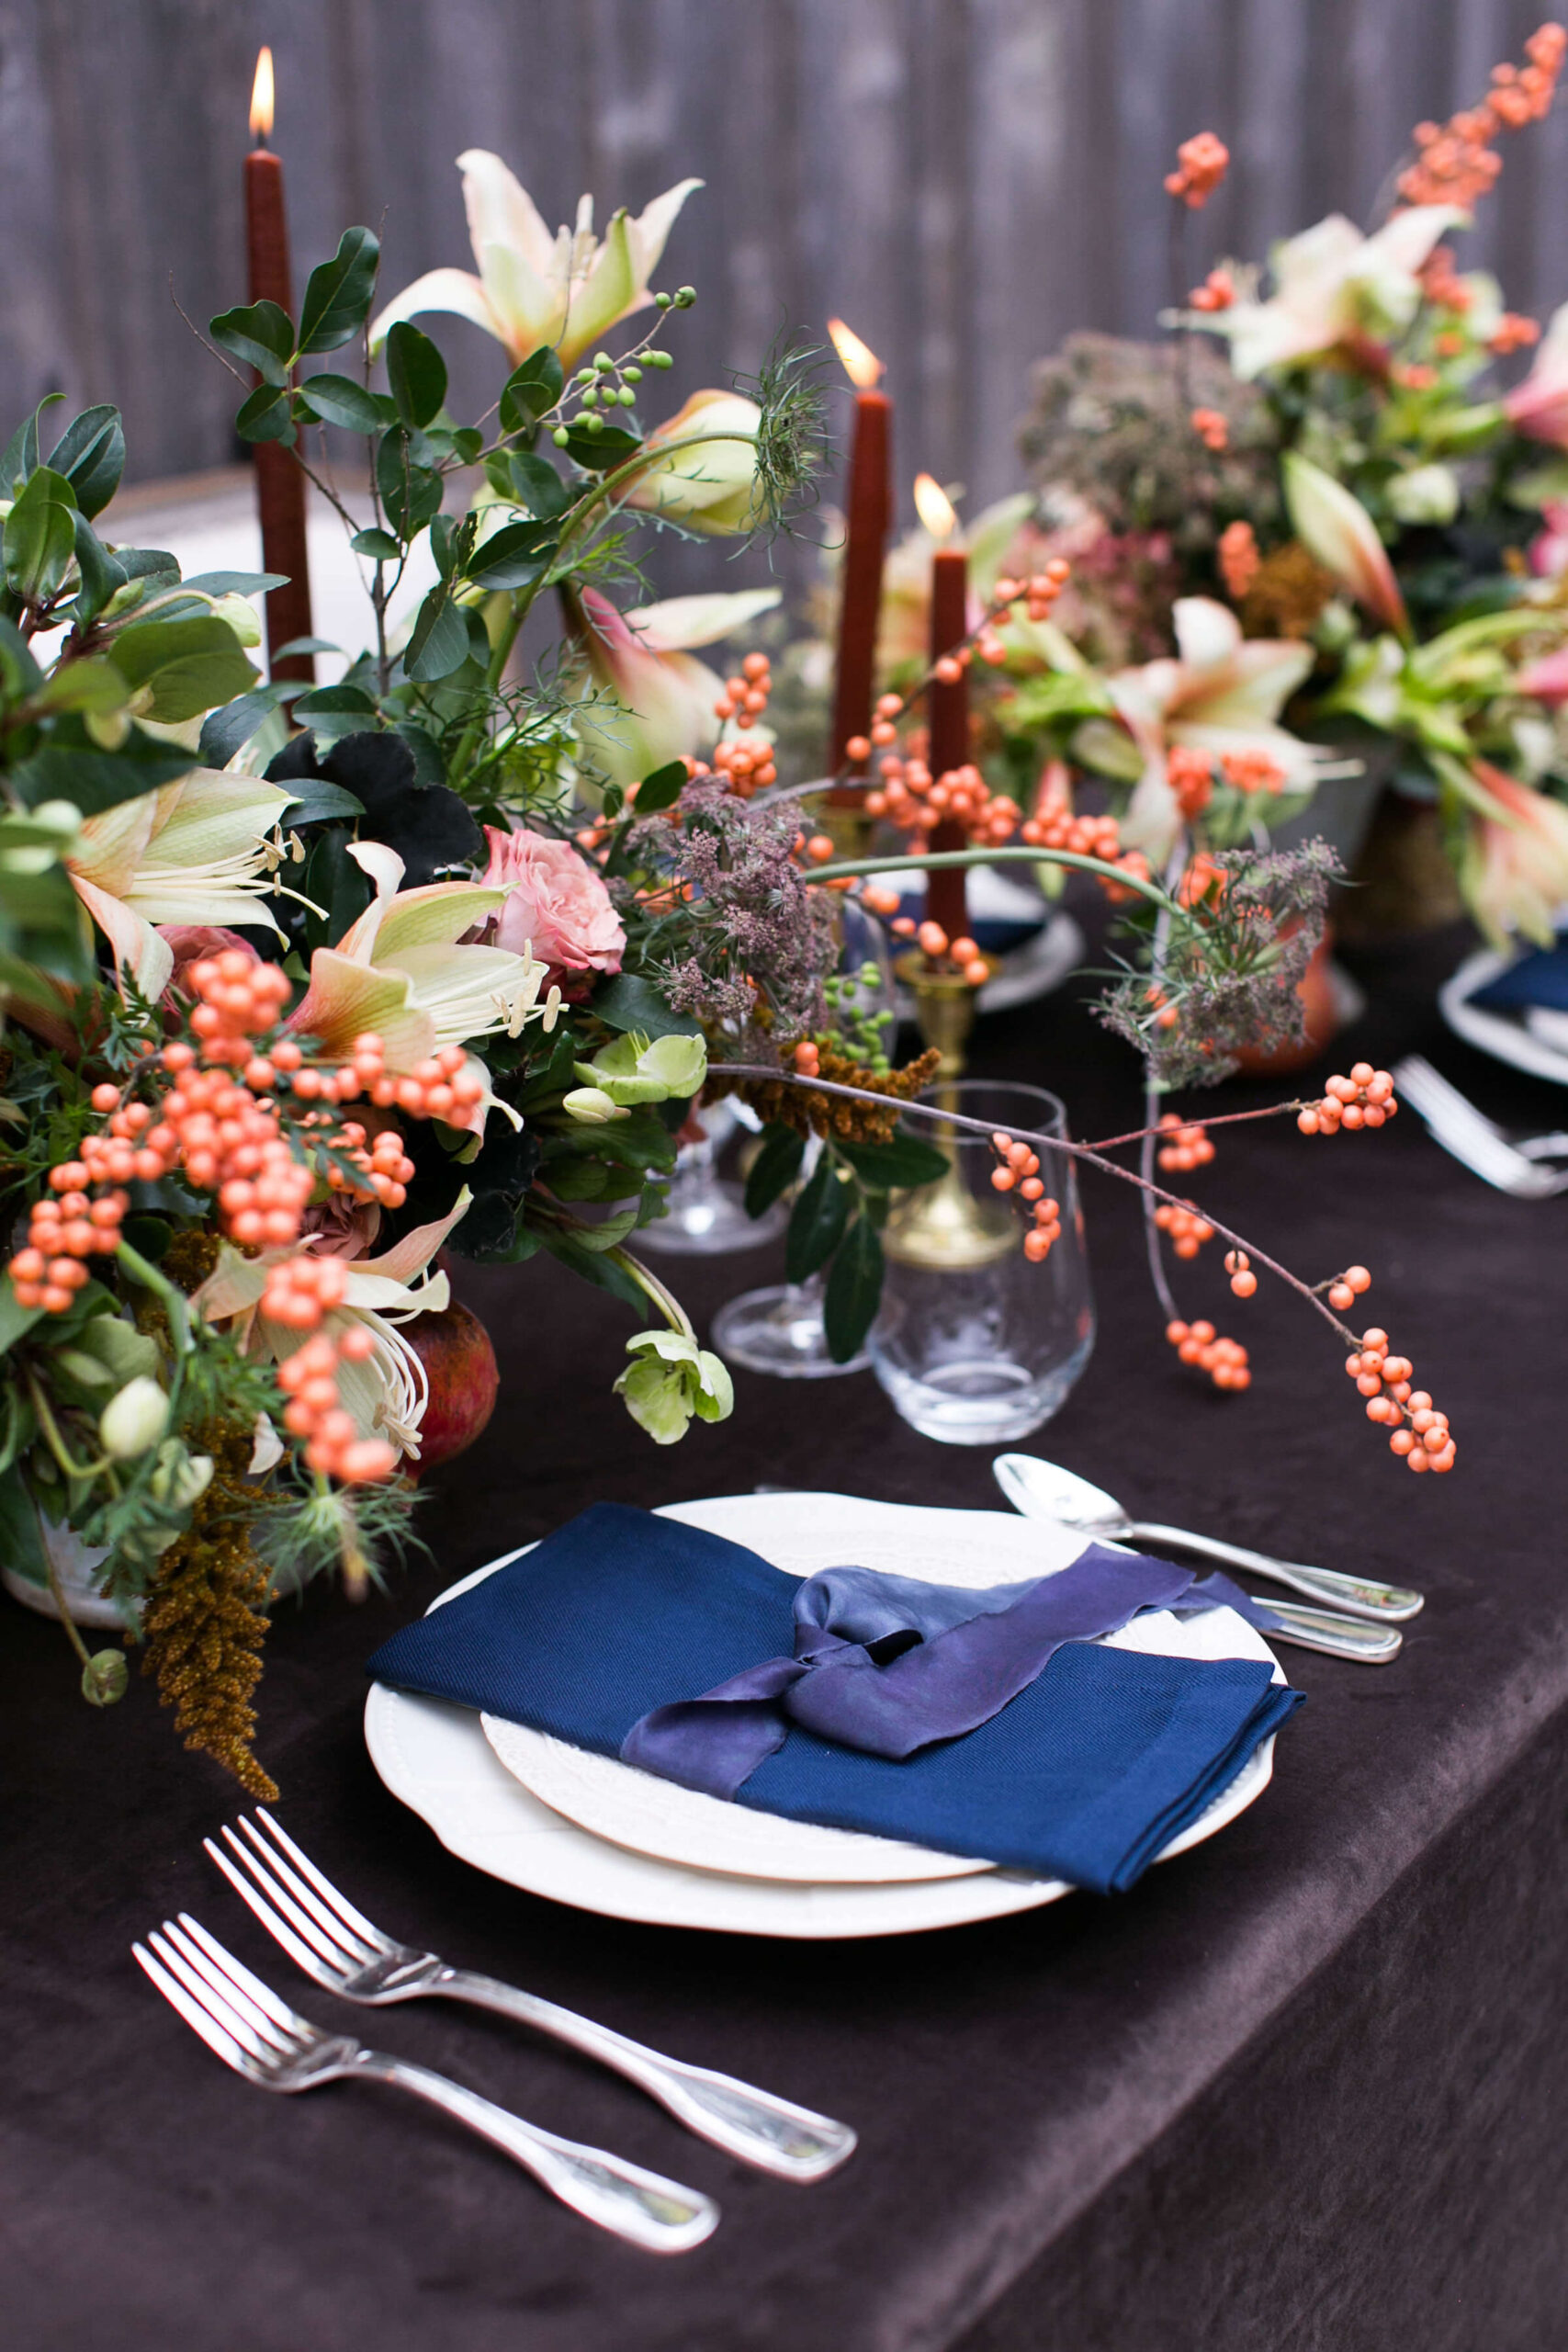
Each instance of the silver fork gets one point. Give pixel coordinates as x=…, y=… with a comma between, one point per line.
x=1470, y=1136
x=337, y=1945
x=247, y=2026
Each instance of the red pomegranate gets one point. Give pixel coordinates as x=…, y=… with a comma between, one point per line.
x=459, y=1362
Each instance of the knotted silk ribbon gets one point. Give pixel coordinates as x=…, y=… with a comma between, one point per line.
x=888, y=1665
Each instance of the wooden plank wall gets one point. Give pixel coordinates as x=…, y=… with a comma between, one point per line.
x=965, y=180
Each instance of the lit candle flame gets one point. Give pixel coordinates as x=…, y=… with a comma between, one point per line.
x=861, y=364
x=261, y=97
x=934, y=507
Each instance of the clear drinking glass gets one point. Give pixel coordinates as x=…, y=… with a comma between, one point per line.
x=705, y=1215
x=975, y=1344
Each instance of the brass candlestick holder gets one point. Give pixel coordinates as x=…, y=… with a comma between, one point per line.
x=848, y=828
x=944, y=1008
x=942, y=1225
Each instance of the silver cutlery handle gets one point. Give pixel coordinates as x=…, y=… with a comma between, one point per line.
x=1320, y=1629
x=639, y=2206
x=770, y=2133
x=1388, y=1604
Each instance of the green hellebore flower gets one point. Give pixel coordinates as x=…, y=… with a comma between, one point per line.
x=134, y=1419
x=181, y=1477
x=629, y=1069
x=591, y=1107
x=672, y=1379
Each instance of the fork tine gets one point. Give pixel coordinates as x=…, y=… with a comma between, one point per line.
x=277, y=1876
x=322, y=1885
x=316, y=1954
x=274, y=2038
x=231, y=2019
x=200, y=2021
x=241, y=1981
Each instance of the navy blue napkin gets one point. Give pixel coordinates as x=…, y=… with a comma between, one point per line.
x=1540, y=978
x=1083, y=1761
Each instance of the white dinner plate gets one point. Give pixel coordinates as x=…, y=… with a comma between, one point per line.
x=1497, y=1033
x=437, y=1759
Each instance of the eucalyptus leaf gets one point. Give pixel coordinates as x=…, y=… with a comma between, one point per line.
x=90, y=453
x=416, y=372
x=338, y=296
x=338, y=399
x=260, y=334
x=853, y=1291
x=816, y=1222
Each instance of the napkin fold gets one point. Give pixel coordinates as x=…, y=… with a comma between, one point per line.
x=981, y=1723
x=1540, y=978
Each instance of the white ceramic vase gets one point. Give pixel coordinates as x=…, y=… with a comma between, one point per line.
x=74, y=1562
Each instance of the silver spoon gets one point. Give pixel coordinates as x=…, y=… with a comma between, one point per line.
x=1046, y=1491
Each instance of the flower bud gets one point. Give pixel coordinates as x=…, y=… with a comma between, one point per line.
x=591, y=1107
x=104, y=1677
x=134, y=1419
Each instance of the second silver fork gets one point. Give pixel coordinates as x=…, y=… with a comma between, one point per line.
x=336, y=1945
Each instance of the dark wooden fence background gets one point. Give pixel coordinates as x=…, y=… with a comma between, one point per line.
x=964, y=180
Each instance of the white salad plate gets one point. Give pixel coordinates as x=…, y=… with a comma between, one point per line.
x=1538, y=1044
x=591, y=1831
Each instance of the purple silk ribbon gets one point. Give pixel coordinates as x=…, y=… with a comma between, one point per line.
x=888, y=1665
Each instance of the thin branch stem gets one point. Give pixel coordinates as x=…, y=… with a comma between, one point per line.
x=846, y=868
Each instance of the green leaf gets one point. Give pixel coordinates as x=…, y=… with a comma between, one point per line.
x=330, y=702
x=20, y=454
x=774, y=1169
x=416, y=372
x=662, y=789
x=227, y=731
x=71, y=766
x=602, y=1271
x=597, y=453
x=514, y=557
x=411, y=492
x=267, y=415
x=191, y=666
x=338, y=399
x=96, y=685
x=90, y=453
x=19, y=674
x=19, y=1539
x=307, y=645
x=378, y=544
x=260, y=334
x=40, y=536
x=630, y=1002
x=231, y=584
x=532, y=483
x=853, y=1292
x=338, y=296
x=101, y=573
x=15, y=1320
x=320, y=801
x=531, y=391
x=440, y=641
x=895, y=1166
x=817, y=1221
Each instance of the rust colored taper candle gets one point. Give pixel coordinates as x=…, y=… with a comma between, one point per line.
x=280, y=484
x=947, y=701
x=868, y=511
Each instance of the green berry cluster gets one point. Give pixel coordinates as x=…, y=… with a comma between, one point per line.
x=606, y=384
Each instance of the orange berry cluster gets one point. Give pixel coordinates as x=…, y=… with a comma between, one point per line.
x=1019, y=1171
x=936, y=946
x=1202, y=165
x=1249, y=772
x=1238, y=1266
x=911, y=798
x=1513, y=331
x=746, y=763
x=1455, y=163
x=1216, y=293
x=298, y=1291
x=1054, y=825
x=1213, y=428
x=1365, y=1099
x=1238, y=559
x=808, y=1059
x=1346, y=1288
x=1417, y=1433
x=315, y=1412
x=1189, y=1147
x=1038, y=592
x=66, y=1228
x=1190, y=775
x=1186, y=1229
x=1225, y=1361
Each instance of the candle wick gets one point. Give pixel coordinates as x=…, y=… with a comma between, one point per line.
x=258, y=141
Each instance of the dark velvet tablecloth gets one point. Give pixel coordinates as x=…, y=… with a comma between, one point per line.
x=1304, y=2087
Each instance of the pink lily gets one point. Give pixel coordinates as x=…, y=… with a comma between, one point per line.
x=1515, y=870
x=1221, y=693
x=567, y=291
x=1539, y=406
x=660, y=700
x=1333, y=525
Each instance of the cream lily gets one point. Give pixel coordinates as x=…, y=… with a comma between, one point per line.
x=195, y=851
x=1333, y=286
x=531, y=288
x=1332, y=525
x=388, y=1392
x=660, y=699
x=710, y=486
x=1219, y=694
x=401, y=970
x=1514, y=874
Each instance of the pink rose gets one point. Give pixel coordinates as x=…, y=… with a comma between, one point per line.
x=340, y=1228
x=193, y=941
x=557, y=904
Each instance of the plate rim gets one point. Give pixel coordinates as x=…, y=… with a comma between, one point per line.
x=1500, y=1040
